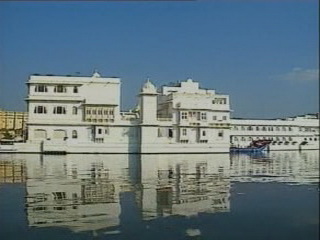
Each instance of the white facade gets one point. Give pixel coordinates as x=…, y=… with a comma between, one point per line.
x=75, y=114
x=82, y=114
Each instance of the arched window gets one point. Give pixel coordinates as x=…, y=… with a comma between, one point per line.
x=60, y=89
x=40, y=134
x=59, y=110
x=59, y=134
x=74, y=110
x=40, y=110
x=74, y=134
x=75, y=89
x=264, y=129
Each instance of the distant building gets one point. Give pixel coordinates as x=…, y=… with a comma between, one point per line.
x=292, y=133
x=13, y=124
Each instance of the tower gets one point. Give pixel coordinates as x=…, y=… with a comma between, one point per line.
x=148, y=104
x=148, y=117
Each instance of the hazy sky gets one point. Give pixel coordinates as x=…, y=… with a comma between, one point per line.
x=264, y=54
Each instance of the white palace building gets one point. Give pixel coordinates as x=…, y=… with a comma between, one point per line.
x=76, y=114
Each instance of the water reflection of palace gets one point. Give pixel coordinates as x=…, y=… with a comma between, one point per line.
x=75, y=191
x=286, y=166
x=82, y=192
x=85, y=192
x=184, y=184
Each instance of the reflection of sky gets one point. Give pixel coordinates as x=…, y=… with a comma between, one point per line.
x=122, y=194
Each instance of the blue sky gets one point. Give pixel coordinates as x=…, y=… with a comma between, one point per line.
x=264, y=54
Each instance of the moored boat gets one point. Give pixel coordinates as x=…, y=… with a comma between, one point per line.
x=255, y=146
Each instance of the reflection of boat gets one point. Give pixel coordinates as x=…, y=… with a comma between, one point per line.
x=255, y=146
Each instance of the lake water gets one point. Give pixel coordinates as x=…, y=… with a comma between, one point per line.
x=170, y=196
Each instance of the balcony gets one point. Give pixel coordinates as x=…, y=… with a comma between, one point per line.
x=50, y=98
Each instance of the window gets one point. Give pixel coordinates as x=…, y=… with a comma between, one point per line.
x=74, y=134
x=41, y=88
x=184, y=115
x=59, y=110
x=235, y=138
x=224, y=118
x=60, y=89
x=59, y=195
x=250, y=128
x=94, y=111
x=184, y=132
x=264, y=129
x=100, y=112
x=203, y=133
x=105, y=112
x=88, y=111
x=257, y=128
x=106, y=131
x=40, y=110
x=284, y=129
x=74, y=110
x=203, y=141
x=75, y=89
x=170, y=132
x=243, y=128
x=184, y=141
x=220, y=101
x=99, y=131
x=214, y=118
x=198, y=116
x=203, y=116
x=220, y=133
x=243, y=138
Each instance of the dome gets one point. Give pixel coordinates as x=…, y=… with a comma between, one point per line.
x=96, y=74
x=148, y=87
